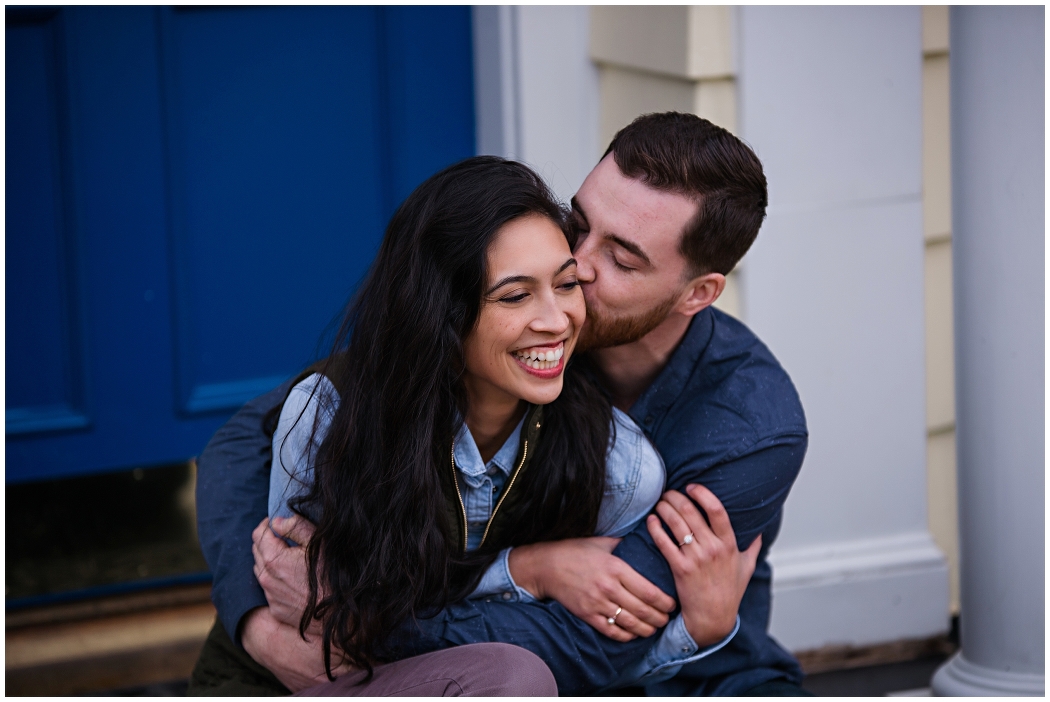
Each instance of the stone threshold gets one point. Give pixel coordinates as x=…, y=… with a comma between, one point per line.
x=831, y=658
x=114, y=642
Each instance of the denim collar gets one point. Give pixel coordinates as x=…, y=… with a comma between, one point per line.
x=468, y=457
x=650, y=409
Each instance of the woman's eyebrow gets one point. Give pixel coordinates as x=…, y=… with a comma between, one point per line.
x=525, y=278
x=510, y=279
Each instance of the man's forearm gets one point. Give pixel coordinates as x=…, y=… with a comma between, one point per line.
x=233, y=488
x=584, y=661
x=233, y=484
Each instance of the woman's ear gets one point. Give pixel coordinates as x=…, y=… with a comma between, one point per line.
x=700, y=292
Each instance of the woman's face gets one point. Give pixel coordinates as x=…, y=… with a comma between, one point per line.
x=532, y=310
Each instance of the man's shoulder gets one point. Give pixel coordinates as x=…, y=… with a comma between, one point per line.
x=737, y=387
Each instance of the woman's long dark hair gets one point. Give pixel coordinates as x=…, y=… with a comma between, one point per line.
x=383, y=551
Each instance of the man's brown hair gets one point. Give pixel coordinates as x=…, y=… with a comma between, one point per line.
x=686, y=154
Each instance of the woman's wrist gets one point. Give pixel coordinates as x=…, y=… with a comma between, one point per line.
x=526, y=569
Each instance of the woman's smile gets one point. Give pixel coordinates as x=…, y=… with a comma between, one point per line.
x=542, y=361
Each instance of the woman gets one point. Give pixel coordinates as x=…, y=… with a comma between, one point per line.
x=448, y=426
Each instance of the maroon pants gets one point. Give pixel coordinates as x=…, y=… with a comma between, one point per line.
x=474, y=670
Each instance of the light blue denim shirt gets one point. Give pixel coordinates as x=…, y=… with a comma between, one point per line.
x=634, y=481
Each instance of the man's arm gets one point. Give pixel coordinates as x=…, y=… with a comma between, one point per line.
x=233, y=484
x=232, y=493
x=752, y=488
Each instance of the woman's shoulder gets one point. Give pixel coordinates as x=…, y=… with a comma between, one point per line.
x=634, y=477
x=630, y=452
x=314, y=391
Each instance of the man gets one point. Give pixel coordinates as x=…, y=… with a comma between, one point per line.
x=670, y=209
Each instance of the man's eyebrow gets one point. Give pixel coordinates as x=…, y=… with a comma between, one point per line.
x=510, y=279
x=576, y=207
x=631, y=247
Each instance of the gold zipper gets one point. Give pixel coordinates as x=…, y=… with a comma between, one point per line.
x=463, y=509
x=459, y=495
x=513, y=477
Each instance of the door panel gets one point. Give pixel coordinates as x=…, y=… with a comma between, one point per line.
x=192, y=196
x=273, y=134
x=43, y=331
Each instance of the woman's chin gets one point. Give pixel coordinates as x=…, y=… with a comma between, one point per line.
x=542, y=392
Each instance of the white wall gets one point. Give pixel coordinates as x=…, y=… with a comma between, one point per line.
x=536, y=90
x=830, y=99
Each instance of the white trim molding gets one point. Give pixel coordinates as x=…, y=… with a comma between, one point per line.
x=859, y=592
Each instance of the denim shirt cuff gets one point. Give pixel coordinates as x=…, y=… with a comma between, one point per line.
x=498, y=583
x=674, y=649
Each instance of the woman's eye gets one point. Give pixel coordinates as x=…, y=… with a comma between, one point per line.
x=514, y=298
x=569, y=285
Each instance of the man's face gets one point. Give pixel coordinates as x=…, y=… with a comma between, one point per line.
x=630, y=267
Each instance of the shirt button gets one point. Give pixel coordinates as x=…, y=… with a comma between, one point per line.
x=492, y=470
x=494, y=489
x=685, y=649
x=506, y=595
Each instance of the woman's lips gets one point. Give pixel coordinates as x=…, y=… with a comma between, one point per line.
x=542, y=361
x=546, y=373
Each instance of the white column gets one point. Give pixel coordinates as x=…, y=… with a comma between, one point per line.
x=536, y=90
x=997, y=93
x=831, y=101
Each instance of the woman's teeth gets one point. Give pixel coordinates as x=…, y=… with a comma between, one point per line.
x=541, y=359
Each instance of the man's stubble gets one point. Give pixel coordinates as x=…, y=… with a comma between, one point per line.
x=602, y=331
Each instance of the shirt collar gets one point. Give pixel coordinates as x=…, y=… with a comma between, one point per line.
x=657, y=399
x=468, y=457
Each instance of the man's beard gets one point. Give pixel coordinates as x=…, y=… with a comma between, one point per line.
x=601, y=332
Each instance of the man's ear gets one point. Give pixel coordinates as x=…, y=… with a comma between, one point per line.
x=699, y=293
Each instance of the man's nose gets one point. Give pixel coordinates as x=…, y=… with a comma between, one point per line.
x=584, y=267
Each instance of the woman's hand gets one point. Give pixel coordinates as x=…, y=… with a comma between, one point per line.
x=281, y=569
x=710, y=573
x=593, y=584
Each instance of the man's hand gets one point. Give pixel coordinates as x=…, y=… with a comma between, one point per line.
x=281, y=569
x=584, y=576
x=710, y=573
x=298, y=664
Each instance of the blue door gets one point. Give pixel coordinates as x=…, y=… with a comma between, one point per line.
x=192, y=195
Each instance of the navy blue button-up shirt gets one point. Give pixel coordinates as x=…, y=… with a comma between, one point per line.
x=722, y=413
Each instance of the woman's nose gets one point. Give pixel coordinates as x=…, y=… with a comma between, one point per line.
x=551, y=319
